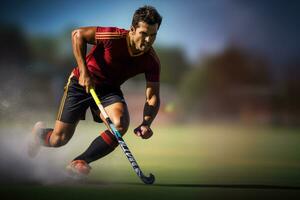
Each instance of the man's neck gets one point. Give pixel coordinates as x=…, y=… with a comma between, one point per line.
x=132, y=45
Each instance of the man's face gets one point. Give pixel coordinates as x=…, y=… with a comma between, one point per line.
x=143, y=36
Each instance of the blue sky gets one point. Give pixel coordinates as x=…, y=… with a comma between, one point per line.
x=199, y=27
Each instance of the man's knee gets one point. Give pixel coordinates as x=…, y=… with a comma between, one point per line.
x=122, y=127
x=61, y=134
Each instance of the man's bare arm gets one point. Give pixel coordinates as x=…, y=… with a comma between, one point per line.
x=150, y=110
x=80, y=38
x=152, y=103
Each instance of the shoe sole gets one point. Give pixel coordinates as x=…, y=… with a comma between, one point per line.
x=34, y=145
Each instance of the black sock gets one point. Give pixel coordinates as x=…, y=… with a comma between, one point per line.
x=97, y=149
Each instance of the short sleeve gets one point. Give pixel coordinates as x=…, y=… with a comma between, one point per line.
x=109, y=33
x=98, y=35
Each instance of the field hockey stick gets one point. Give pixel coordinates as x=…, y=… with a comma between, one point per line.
x=146, y=179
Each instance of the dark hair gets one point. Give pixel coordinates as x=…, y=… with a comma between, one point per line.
x=146, y=14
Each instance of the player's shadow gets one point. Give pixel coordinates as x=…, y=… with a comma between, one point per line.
x=231, y=186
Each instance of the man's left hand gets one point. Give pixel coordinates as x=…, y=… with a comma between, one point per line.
x=143, y=131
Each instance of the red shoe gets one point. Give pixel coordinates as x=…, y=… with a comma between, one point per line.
x=78, y=169
x=34, y=144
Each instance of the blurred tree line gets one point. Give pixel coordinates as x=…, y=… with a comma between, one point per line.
x=33, y=69
x=234, y=84
x=220, y=81
x=238, y=84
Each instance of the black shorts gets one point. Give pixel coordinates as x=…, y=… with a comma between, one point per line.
x=76, y=101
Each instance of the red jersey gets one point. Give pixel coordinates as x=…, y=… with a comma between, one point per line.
x=111, y=61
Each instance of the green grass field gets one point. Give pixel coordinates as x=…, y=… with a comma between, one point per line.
x=189, y=162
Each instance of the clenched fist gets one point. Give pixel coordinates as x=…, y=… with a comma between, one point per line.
x=86, y=81
x=143, y=131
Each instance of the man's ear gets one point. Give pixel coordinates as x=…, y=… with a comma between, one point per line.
x=132, y=29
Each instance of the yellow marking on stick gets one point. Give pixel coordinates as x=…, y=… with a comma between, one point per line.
x=93, y=93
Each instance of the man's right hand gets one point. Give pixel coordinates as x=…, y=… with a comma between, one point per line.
x=86, y=81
